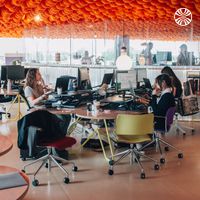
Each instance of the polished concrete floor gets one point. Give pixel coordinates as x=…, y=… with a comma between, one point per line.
x=176, y=179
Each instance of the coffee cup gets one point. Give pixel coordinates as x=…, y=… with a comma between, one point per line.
x=59, y=91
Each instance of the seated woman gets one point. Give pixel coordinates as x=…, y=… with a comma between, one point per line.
x=162, y=99
x=176, y=83
x=34, y=87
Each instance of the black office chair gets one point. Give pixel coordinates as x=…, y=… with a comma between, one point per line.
x=50, y=133
x=158, y=140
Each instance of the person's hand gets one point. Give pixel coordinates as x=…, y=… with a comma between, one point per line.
x=156, y=91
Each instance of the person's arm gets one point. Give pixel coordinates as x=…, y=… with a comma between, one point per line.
x=35, y=101
x=31, y=98
x=160, y=108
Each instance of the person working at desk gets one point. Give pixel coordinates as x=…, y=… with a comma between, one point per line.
x=34, y=87
x=176, y=83
x=162, y=99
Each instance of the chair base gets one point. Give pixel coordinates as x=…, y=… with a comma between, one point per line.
x=182, y=128
x=48, y=159
x=157, y=141
x=134, y=154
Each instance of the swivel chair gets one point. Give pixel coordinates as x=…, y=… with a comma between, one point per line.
x=157, y=140
x=50, y=133
x=133, y=129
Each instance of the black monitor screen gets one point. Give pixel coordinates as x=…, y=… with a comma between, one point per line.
x=15, y=72
x=3, y=73
x=107, y=78
x=163, y=56
x=84, y=78
x=147, y=83
x=63, y=82
x=26, y=70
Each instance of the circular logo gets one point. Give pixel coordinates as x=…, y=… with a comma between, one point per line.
x=183, y=16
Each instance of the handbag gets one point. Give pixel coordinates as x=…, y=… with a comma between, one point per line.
x=188, y=104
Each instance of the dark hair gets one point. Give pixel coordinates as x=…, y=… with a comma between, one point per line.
x=167, y=70
x=164, y=77
x=124, y=48
x=175, y=81
x=31, y=77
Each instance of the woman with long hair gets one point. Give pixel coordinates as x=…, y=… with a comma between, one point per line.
x=34, y=87
x=176, y=83
x=162, y=99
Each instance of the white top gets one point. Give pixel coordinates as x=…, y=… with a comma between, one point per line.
x=124, y=62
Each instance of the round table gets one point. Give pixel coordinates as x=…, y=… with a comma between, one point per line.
x=5, y=145
x=16, y=192
x=104, y=115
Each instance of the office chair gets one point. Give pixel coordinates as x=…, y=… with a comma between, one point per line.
x=157, y=140
x=133, y=129
x=50, y=133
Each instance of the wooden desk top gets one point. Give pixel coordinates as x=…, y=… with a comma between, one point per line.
x=106, y=114
x=13, y=193
x=5, y=145
x=59, y=111
x=10, y=93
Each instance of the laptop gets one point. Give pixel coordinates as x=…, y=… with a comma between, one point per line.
x=147, y=83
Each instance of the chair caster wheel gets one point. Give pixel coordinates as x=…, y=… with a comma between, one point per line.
x=111, y=162
x=180, y=155
x=46, y=165
x=23, y=159
x=166, y=148
x=23, y=171
x=184, y=134
x=66, y=180
x=156, y=167
x=162, y=160
x=142, y=175
x=35, y=183
x=75, y=169
x=110, y=172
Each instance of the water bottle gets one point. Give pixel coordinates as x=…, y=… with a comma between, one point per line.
x=9, y=86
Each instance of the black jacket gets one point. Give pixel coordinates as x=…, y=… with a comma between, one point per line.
x=160, y=109
x=52, y=127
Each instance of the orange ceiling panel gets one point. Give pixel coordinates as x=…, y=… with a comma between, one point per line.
x=144, y=19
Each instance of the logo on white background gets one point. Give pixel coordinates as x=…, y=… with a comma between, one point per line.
x=183, y=17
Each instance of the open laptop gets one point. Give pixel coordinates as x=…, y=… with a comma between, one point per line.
x=147, y=83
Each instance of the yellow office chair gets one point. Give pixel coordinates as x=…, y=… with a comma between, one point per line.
x=133, y=129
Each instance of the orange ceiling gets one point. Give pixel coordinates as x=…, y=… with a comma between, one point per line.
x=142, y=19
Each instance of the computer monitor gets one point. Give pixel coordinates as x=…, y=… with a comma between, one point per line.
x=107, y=78
x=163, y=56
x=84, y=82
x=141, y=73
x=124, y=78
x=147, y=83
x=12, y=72
x=27, y=69
x=63, y=82
x=4, y=73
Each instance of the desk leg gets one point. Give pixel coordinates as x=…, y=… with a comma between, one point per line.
x=19, y=114
x=109, y=142
x=108, y=137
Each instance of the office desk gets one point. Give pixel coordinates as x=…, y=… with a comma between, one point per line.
x=16, y=192
x=5, y=145
x=17, y=99
x=105, y=115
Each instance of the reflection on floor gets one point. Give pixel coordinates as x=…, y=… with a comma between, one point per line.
x=176, y=179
